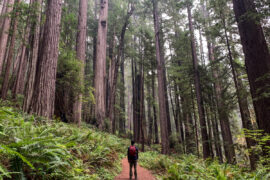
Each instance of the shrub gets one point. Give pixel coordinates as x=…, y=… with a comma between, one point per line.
x=35, y=148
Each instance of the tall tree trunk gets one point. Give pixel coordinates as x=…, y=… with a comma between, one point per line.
x=223, y=115
x=210, y=127
x=122, y=119
x=216, y=133
x=142, y=109
x=92, y=107
x=20, y=78
x=154, y=106
x=161, y=84
x=150, y=101
x=165, y=77
x=137, y=109
x=4, y=90
x=100, y=69
x=257, y=60
x=117, y=64
x=242, y=101
x=80, y=48
x=187, y=118
x=3, y=11
x=133, y=98
x=178, y=125
x=44, y=88
x=195, y=123
x=4, y=34
x=205, y=139
x=33, y=60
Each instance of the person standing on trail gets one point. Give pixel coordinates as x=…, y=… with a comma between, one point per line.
x=133, y=156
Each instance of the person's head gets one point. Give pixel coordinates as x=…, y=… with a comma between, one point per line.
x=132, y=142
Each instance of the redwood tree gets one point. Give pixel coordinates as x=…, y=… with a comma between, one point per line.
x=44, y=88
x=80, y=48
x=33, y=59
x=4, y=90
x=100, y=67
x=257, y=59
x=205, y=139
x=161, y=83
x=4, y=34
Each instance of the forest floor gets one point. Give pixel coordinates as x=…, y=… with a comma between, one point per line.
x=143, y=174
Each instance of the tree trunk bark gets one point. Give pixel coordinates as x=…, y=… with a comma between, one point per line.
x=4, y=34
x=44, y=88
x=80, y=49
x=33, y=61
x=4, y=90
x=116, y=65
x=122, y=120
x=100, y=70
x=3, y=11
x=20, y=78
x=154, y=106
x=177, y=111
x=215, y=129
x=242, y=102
x=223, y=116
x=142, y=109
x=92, y=107
x=257, y=60
x=161, y=84
x=195, y=122
x=205, y=139
x=150, y=101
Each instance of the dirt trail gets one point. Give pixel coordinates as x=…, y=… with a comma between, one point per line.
x=143, y=174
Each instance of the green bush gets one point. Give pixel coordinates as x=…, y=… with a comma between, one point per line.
x=35, y=148
x=189, y=167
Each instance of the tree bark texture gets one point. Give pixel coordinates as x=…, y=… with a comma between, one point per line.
x=5, y=84
x=223, y=115
x=80, y=49
x=122, y=118
x=154, y=106
x=242, y=102
x=257, y=60
x=20, y=77
x=100, y=69
x=4, y=34
x=31, y=75
x=161, y=84
x=44, y=88
x=149, y=113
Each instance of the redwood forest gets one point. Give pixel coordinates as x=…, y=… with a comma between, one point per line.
x=187, y=80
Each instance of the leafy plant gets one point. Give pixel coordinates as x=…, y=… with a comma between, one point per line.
x=35, y=148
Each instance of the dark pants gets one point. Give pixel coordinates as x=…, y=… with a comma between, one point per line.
x=131, y=164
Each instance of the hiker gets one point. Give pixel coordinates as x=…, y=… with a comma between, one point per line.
x=133, y=155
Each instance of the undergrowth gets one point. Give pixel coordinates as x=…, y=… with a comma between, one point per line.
x=190, y=167
x=35, y=148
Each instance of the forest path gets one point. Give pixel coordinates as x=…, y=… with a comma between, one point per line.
x=143, y=174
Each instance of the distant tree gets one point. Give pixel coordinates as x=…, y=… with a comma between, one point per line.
x=205, y=138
